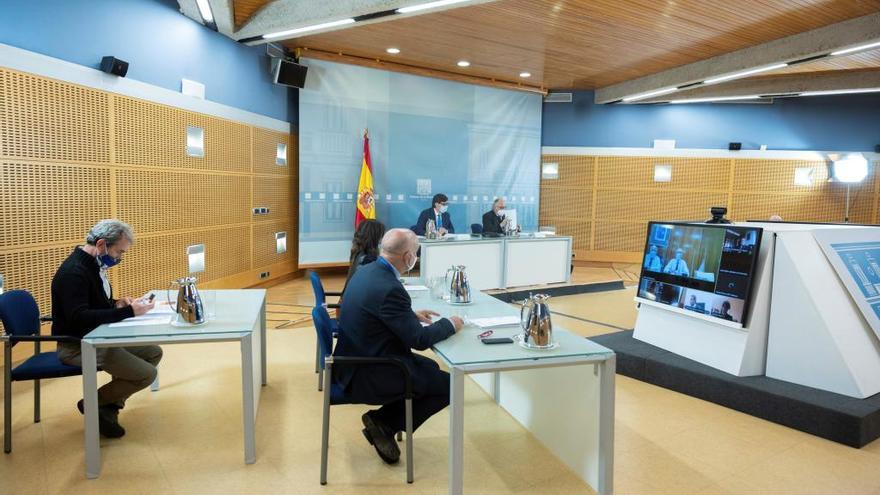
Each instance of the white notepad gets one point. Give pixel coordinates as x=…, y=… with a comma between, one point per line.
x=142, y=321
x=413, y=288
x=496, y=321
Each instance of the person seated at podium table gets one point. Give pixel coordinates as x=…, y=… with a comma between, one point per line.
x=725, y=311
x=437, y=212
x=378, y=321
x=82, y=300
x=652, y=260
x=678, y=266
x=494, y=222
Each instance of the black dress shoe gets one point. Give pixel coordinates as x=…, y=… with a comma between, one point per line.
x=381, y=438
x=108, y=420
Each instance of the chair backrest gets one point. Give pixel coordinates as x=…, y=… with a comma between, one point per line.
x=477, y=228
x=318, y=288
x=19, y=313
x=321, y=319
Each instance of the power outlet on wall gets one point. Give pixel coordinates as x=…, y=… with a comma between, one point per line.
x=264, y=275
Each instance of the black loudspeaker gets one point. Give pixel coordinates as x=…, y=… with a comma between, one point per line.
x=289, y=73
x=877, y=148
x=112, y=65
x=734, y=146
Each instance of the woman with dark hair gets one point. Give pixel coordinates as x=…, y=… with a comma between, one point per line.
x=364, y=246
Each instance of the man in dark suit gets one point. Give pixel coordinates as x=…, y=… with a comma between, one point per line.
x=494, y=222
x=437, y=212
x=377, y=320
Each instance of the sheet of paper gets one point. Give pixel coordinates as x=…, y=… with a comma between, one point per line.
x=413, y=288
x=162, y=308
x=142, y=321
x=496, y=321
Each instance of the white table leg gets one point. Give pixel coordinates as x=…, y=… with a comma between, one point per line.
x=456, y=431
x=496, y=386
x=154, y=387
x=606, y=426
x=247, y=399
x=263, y=342
x=90, y=409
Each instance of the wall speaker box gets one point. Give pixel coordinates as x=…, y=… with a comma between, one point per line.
x=112, y=65
x=289, y=73
x=734, y=146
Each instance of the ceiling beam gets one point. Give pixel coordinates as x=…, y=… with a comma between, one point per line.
x=790, y=84
x=222, y=10
x=818, y=42
x=286, y=15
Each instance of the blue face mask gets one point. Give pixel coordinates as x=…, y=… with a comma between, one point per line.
x=443, y=208
x=108, y=261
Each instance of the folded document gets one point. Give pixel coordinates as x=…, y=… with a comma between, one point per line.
x=496, y=321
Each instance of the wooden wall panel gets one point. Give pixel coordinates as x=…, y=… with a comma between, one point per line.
x=49, y=203
x=265, y=252
x=157, y=201
x=33, y=269
x=154, y=135
x=277, y=194
x=625, y=197
x=265, y=150
x=42, y=118
x=157, y=260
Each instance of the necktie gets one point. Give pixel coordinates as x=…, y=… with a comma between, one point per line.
x=677, y=264
x=440, y=221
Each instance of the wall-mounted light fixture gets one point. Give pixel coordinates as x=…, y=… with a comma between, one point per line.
x=280, y=242
x=549, y=170
x=281, y=155
x=196, y=258
x=663, y=173
x=803, y=176
x=195, y=142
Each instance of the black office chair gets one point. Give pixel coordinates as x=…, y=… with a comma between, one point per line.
x=334, y=394
x=476, y=228
x=21, y=319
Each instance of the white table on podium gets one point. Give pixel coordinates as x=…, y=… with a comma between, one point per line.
x=563, y=396
x=499, y=262
x=240, y=316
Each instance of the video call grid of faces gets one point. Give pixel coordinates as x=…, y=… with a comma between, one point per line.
x=700, y=268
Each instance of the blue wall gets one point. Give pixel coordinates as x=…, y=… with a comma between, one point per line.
x=161, y=44
x=829, y=123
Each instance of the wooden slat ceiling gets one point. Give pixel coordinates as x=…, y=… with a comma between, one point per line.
x=584, y=44
x=242, y=10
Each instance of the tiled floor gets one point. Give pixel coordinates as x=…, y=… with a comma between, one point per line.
x=187, y=437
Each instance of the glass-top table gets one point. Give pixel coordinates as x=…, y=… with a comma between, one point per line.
x=564, y=396
x=238, y=316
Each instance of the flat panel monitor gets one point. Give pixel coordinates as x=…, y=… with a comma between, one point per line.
x=700, y=268
x=289, y=73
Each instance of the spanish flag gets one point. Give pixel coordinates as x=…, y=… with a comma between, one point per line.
x=366, y=201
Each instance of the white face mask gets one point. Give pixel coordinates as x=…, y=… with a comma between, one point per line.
x=443, y=208
x=410, y=266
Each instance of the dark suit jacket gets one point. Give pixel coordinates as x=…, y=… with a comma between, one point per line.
x=377, y=320
x=492, y=223
x=428, y=214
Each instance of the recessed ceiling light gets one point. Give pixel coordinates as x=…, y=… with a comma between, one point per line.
x=525, y=74
x=712, y=99
x=856, y=49
x=429, y=5
x=393, y=51
x=650, y=94
x=463, y=63
x=205, y=11
x=306, y=29
x=747, y=73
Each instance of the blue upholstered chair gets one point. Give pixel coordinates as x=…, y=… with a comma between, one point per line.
x=321, y=300
x=476, y=228
x=335, y=395
x=21, y=321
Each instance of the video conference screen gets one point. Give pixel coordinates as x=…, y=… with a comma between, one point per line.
x=702, y=268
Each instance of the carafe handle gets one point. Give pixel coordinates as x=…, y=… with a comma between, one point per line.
x=168, y=295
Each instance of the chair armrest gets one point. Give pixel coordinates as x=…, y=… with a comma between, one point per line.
x=337, y=294
x=356, y=361
x=332, y=306
x=39, y=338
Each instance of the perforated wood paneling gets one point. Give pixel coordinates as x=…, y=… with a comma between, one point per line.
x=42, y=118
x=625, y=172
x=563, y=203
x=574, y=171
x=155, y=135
x=619, y=236
x=155, y=261
x=265, y=150
x=32, y=270
x=578, y=230
x=153, y=201
x=827, y=206
x=656, y=205
x=277, y=194
x=50, y=203
x=265, y=252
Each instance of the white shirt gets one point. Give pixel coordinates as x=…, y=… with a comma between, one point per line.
x=677, y=267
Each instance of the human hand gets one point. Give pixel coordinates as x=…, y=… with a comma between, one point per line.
x=426, y=315
x=442, y=231
x=141, y=306
x=457, y=322
x=125, y=301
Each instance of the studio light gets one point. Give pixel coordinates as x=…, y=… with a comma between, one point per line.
x=850, y=169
